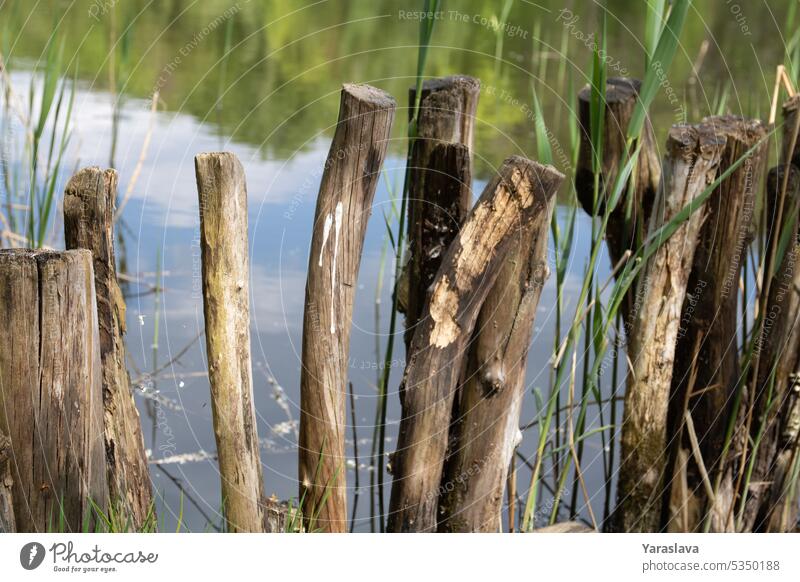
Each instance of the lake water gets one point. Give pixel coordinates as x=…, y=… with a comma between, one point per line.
x=273, y=101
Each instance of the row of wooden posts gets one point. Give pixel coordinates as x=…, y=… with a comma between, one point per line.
x=70, y=435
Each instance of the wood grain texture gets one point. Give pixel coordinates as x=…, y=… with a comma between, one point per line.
x=222, y=194
x=485, y=430
x=51, y=402
x=440, y=179
x=690, y=165
x=343, y=207
x=7, y=521
x=706, y=353
x=89, y=202
x=515, y=197
x=622, y=233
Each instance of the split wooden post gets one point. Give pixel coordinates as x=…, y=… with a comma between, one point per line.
x=621, y=234
x=343, y=207
x=776, y=401
x=51, y=402
x=692, y=158
x=485, y=433
x=706, y=354
x=440, y=183
x=515, y=197
x=222, y=194
x=89, y=202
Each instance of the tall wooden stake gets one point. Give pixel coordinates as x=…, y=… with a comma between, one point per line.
x=88, y=224
x=515, y=197
x=343, y=207
x=691, y=162
x=226, y=304
x=485, y=432
x=706, y=353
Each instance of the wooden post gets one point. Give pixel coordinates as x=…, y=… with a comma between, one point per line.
x=486, y=432
x=706, y=353
x=691, y=162
x=88, y=224
x=440, y=183
x=226, y=304
x=515, y=197
x=791, y=109
x=776, y=401
x=343, y=207
x=621, y=234
x=51, y=403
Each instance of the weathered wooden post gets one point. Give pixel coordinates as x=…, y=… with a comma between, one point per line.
x=621, y=233
x=222, y=194
x=89, y=202
x=515, y=197
x=486, y=432
x=776, y=400
x=439, y=183
x=51, y=402
x=706, y=350
x=691, y=162
x=340, y=221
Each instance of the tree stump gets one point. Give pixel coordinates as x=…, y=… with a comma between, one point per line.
x=51, y=401
x=89, y=202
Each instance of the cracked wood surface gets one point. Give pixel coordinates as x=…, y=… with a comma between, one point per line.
x=519, y=194
x=88, y=224
x=51, y=401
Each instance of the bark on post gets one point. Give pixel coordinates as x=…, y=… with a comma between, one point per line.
x=226, y=304
x=621, y=234
x=515, y=197
x=7, y=521
x=771, y=505
x=51, y=402
x=88, y=224
x=343, y=207
x=486, y=432
x=692, y=158
x=706, y=353
x=439, y=192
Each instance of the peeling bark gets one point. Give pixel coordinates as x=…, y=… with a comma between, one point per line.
x=439, y=178
x=485, y=433
x=518, y=195
x=692, y=158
